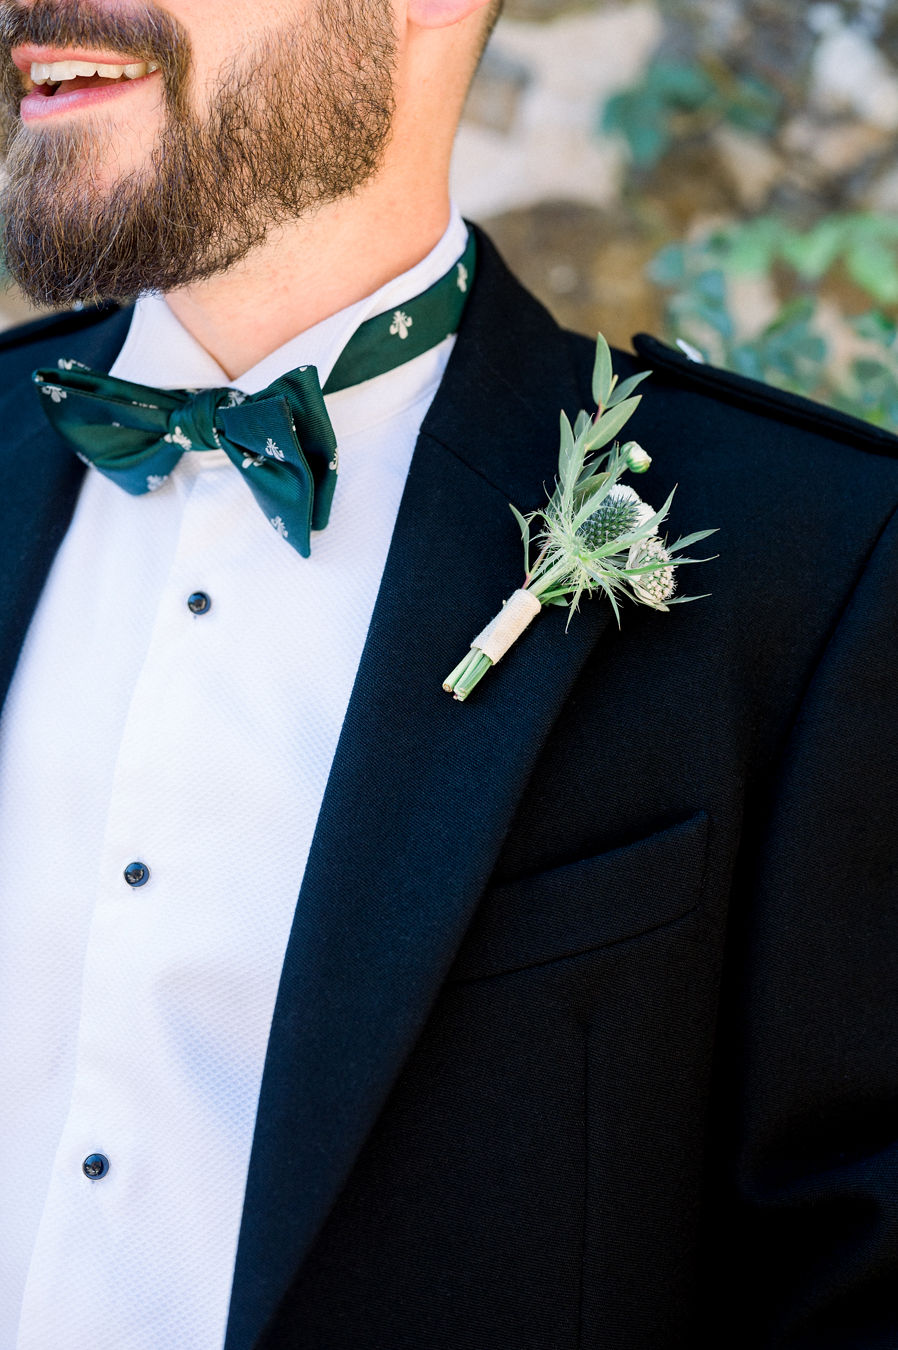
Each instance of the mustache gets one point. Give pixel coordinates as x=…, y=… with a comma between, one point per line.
x=143, y=31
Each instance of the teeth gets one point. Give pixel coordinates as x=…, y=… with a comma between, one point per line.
x=58, y=71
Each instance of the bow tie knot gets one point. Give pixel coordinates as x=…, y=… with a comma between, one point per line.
x=192, y=427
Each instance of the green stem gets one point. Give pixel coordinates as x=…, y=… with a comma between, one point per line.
x=451, y=680
x=547, y=597
x=534, y=569
x=548, y=579
x=467, y=674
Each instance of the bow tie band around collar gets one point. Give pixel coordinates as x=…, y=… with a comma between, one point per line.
x=280, y=439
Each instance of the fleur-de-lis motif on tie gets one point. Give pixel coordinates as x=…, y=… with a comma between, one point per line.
x=155, y=481
x=253, y=462
x=53, y=392
x=279, y=527
x=402, y=322
x=177, y=437
x=462, y=280
x=273, y=449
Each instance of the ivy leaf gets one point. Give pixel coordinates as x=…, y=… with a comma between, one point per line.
x=872, y=266
x=876, y=327
x=813, y=252
x=668, y=267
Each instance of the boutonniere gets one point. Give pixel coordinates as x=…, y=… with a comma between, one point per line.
x=594, y=534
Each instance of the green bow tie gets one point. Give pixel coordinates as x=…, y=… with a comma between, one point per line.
x=281, y=439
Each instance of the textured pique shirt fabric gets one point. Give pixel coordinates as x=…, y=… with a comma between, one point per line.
x=134, y=1021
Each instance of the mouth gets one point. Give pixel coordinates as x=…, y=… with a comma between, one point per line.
x=74, y=80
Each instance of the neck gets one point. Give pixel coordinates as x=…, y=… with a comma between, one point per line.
x=311, y=269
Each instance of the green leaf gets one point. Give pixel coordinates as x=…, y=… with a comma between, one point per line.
x=640, y=118
x=524, y=523
x=592, y=471
x=872, y=266
x=681, y=84
x=754, y=106
x=876, y=327
x=751, y=247
x=610, y=423
x=690, y=539
x=624, y=390
x=813, y=252
x=603, y=373
x=793, y=315
x=711, y=286
x=668, y=267
x=567, y=455
x=603, y=585
x=583, y=421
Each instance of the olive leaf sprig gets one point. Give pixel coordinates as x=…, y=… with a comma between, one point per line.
x=596, y=532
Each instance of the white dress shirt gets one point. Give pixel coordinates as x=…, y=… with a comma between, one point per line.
x=134, y=1020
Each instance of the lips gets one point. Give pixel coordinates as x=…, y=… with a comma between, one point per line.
x=61, y=80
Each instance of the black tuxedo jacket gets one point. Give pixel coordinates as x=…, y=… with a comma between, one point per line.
x=586, y=1037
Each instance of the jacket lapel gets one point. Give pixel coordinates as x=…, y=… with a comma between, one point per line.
x=422, y=788
x=36, y=507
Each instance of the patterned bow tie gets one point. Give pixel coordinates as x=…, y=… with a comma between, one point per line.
x=281, y=439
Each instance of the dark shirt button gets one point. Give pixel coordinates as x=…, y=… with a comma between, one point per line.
x=95, y=1166
x=137, y=874
x=199, y=602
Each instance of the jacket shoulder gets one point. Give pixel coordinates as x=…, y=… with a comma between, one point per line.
x=85, y=334
x=754, y=399
x=50, y=326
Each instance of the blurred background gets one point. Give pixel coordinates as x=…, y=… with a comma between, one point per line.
x=723, y=173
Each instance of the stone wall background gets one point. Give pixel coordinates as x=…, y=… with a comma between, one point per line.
x=578, y=220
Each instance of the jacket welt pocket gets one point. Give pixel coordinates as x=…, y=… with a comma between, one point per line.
x=587, y=904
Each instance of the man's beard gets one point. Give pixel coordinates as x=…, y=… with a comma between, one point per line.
x=301, y=120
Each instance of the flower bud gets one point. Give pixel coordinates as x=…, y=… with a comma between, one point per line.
x=637, y=458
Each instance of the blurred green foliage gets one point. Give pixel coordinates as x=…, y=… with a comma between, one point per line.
x=676, y=100
x=850, y=361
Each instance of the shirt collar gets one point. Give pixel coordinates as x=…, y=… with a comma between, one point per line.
x=159, y=350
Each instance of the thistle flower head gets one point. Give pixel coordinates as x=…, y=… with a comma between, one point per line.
x=618, y=514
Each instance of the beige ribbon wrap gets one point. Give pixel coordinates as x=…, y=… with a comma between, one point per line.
x=519, y=610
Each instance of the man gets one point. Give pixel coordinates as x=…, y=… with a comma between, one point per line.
x=336, y=1013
